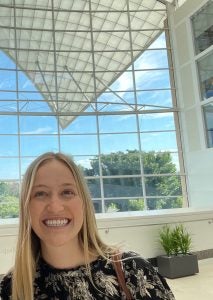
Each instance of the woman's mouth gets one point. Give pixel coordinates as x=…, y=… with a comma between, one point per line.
x=56, y=222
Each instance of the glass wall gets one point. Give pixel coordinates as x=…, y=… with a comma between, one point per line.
x=202, y=24
x=94, y=82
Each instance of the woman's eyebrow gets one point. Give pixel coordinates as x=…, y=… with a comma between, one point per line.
x=39, y=185
x=68, y=184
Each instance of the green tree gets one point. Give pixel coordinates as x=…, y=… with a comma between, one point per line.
x=136, y=204
x=160, y=164
x=9, y=206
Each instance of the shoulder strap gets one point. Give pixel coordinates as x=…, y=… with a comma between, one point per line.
x=120, y=275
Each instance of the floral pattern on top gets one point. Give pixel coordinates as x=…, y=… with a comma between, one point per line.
x=141, y=278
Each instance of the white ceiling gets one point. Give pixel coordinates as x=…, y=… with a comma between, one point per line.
x=80, y=71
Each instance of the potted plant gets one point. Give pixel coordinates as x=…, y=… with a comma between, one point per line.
x=178, y=261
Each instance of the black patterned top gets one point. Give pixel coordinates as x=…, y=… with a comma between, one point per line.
x=141, y=278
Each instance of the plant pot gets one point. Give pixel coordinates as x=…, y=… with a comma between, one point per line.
x=177, y=265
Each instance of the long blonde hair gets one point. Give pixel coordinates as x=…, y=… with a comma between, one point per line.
x=28, y=244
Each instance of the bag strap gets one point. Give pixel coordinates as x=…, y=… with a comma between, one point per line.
x=120, y=275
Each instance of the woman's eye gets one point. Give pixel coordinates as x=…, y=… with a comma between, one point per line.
x=68, y=193
x=40, y=194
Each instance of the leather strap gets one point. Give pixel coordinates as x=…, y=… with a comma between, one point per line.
x=120, y=275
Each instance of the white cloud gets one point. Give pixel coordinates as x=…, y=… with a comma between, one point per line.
x=41, y=130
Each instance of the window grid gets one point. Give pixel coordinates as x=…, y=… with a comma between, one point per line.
x=93, y=108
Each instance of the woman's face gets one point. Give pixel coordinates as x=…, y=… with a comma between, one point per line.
x=56, y=208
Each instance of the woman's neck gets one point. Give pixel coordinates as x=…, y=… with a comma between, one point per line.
x=63, y=257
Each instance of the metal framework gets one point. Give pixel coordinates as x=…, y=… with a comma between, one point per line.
x=66, y=60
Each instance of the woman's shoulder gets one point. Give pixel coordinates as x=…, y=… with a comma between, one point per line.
x=131, y=257
x=139, y=270
x=5, y=286
x=135, y=263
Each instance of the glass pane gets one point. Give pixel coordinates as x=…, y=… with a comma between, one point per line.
x=8, y=106
x=205, y=70
x=159, y=141
x=135, y=204
x=9, y=145
x=123, y=83
x=152, y=59
x=111, y=143
x=38, y=125
x=97, y=206
x=34, y=106
x=202, y=24
x=8, y=80
x=165, y=203
x=88, y=164
x=79, y=144
x=120, y=163
x=33, y=95
x=8, y=124
x=81, y=124
x=35, y=82
x=9, y=209
x=160, y=42
x=122, y=187
x=5, y=61
x=208, y=117
x=25, y=161
x=94, y=187
x=155, y=99
x=9, y=169
x=9, y=201
x=163, y=186
x=160, y=163
x=156, y=121
x=8, y=96
x=116, y=123
x=116, y=101
x=34, y=145
x=154, y=79
x=124, y=205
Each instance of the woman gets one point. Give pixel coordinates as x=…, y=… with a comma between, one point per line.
x=59, y=253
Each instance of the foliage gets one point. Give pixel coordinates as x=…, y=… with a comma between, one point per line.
x=118, y=164
x=175, y=240
x=136, y=204
x=112, y=207
x=166, y=241
x=9, y=201
x=128, y=163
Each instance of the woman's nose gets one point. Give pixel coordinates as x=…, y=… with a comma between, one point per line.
x=54, y=204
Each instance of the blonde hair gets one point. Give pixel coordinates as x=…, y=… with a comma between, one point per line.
x=28, y=244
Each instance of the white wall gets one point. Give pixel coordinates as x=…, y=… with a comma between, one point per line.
x=136, y=231
x=198, y=158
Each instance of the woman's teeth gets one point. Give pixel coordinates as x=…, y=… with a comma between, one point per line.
x=60, y=222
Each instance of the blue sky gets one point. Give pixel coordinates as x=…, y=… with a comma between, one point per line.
x=39, y=132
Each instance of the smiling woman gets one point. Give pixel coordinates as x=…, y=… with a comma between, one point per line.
x=59, y=252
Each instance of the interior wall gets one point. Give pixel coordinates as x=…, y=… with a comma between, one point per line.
x=197, y=157
x=133, y=231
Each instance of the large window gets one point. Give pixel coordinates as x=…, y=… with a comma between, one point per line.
x=94, y=82
x=202, y=24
